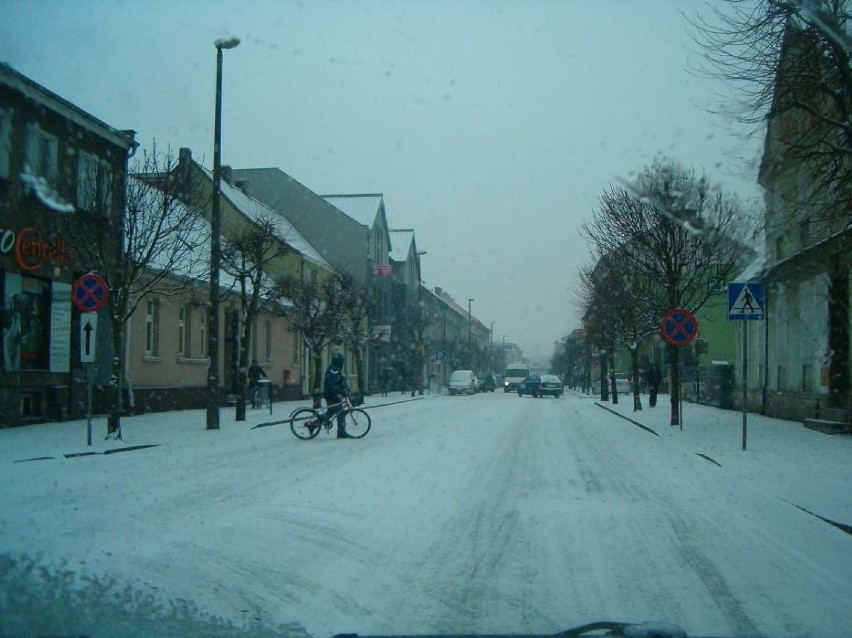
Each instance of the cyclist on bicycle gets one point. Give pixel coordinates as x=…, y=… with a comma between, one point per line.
x=334, y=388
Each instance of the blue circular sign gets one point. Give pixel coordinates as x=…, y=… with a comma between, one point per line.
x=89, y=293
x=679, y=327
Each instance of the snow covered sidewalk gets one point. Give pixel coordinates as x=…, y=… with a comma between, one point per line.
x=806, y=468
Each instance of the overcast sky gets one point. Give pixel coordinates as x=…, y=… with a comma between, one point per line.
x=490, y=127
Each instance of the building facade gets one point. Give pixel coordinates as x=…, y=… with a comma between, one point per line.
x=808, y=246
x=58, y=164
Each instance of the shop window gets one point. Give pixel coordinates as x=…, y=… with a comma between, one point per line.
x=26, y=323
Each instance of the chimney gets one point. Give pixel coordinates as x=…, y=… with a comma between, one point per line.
x=226, y=175
x=242, y=183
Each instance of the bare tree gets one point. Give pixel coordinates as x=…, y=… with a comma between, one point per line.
x=788, y=60
x=358, y=313
x=160, y=240
x=314, y=307
x=247, y=255
x=629, y=301
x=679, y=234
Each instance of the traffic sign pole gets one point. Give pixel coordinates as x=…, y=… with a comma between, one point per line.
x=745, y=382
x=746, y=302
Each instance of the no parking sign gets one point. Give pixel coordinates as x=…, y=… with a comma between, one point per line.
x=679, y=327
x=89, y=293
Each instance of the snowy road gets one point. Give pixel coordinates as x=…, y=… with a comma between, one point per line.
x=470, y=514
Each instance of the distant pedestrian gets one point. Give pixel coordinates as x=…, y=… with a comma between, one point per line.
x=653, y=377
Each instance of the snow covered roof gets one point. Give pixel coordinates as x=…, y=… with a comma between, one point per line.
x=255, y=209
x=755, y=268
x=362, y=208
x=43, y=96
x=401, y=241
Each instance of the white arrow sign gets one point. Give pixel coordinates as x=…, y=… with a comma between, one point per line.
x=88, y=331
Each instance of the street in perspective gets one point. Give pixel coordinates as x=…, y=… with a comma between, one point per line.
x=388, y=318
x=485, y=513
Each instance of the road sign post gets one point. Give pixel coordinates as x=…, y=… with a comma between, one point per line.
x=678, y=328
x=89, y=294
x=746, y=302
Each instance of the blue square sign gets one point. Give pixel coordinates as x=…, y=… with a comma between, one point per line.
x=746, y=300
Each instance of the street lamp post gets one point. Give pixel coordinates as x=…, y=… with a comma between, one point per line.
x=215, y=246
x=469, y=348
x=491, y=349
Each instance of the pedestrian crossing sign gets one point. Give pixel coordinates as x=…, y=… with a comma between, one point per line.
x=746, y=300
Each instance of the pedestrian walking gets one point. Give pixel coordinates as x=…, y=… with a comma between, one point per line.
x=653, y=377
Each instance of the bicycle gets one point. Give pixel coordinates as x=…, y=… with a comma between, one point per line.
x=261, y=395
x=306, y=423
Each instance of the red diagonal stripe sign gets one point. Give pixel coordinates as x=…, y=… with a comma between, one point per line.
x=679, y=327
x=89, y=293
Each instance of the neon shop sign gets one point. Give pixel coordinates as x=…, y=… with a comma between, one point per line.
x=32, y=251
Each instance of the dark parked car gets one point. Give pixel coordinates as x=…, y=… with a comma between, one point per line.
x=541, y=385
x=487, y=382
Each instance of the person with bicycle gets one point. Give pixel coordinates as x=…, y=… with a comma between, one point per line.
x=334, y=388
x=254, y=374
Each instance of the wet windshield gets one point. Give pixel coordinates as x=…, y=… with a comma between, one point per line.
x=260, y=260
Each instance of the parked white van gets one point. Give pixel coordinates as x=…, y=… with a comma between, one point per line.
x=463, y=382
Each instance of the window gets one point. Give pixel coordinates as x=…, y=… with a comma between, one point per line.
x=5, y=142
x=202, y=332
x=377, y=244
x=94, y=183
x=183, y=351
x=297, y=345
x=267, y=341
x=807, y=377
x=152, y=312
x=41, y=154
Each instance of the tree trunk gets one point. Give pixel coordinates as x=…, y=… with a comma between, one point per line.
x=359, y=370
x=242, y=369
x=604, y=379
x=634, y=373
x=116, y=378
x=316, y=381
x=612, y=385
x=118, y=311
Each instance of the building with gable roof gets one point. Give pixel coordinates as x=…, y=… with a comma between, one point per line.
x=168, y=339
x=349, y=231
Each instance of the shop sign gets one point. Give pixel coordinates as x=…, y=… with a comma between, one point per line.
x=32, y=251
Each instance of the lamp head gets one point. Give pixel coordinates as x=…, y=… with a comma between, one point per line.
x=227, y=43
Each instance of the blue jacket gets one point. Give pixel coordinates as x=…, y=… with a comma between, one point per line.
x=334, y=385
